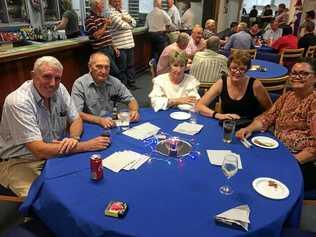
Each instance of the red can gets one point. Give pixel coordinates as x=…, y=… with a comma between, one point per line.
x=96, y=167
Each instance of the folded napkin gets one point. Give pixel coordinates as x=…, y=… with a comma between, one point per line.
x=188, y=128
x=142, y=131
x=127, y=160
x=216, y=157
x=236, y=216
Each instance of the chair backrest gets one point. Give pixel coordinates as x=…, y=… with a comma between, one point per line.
x=252, y=52
x=153, y=67
x=8, y=196
x=291, y=55
x=278, y=84
x=311, y=52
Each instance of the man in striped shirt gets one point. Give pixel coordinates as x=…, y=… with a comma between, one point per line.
x=98, y=28
x=207, y=66
x=122, y=36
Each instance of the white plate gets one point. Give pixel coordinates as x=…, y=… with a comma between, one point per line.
x=265, y=142
x=270, y=188
x=180, y=115
x=185, y=107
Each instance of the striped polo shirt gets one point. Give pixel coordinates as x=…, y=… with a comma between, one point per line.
x=93, y=24
x=122, y=34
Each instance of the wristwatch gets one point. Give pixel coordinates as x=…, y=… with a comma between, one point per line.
x=76, y=138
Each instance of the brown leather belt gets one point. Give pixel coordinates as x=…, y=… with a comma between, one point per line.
x=1, y=160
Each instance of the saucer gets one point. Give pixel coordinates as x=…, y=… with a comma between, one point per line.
x=180, y=115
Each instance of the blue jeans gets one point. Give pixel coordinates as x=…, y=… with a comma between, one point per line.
x=127, y=59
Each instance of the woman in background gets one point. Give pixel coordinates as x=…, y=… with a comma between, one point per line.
x=69, y=21
x=175, y=87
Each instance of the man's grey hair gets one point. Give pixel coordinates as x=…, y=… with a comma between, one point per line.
x=93, y=55
x=183, y=38
x=213, y=43
x=47, y=60
x=93, y=4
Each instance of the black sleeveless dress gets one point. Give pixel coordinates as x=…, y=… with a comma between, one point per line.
x=247, y=107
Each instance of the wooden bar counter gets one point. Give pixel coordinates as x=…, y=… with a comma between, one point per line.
x=17, y=63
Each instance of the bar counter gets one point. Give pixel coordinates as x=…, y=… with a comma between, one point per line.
x=17, y=63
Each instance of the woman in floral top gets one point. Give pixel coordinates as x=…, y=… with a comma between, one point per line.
x=294, y=118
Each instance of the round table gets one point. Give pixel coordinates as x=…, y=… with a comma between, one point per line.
x=166, y=197
x=271, y=70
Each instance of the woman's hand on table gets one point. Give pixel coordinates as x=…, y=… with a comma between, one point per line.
x=186, y=100
x=243, y=133
x=220, y=116
x=98, y=143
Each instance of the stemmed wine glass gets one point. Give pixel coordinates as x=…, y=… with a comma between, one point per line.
x=230, y=168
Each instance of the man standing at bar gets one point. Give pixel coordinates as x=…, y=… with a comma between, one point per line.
x=92, y=93
x=98, y=28
x=34, y=125
x=122, y=36
x=158, y=23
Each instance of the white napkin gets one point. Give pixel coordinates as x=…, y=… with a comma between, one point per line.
x=238, y=215
x=142, y=131
x=216, y=157
x=127, y=160
x=188, y=128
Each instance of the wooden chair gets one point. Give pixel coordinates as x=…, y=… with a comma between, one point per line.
x=8, y=196
x=153, y=67
x=275, y=85
x=289, y=57
x=311, y=52
x=252, y=52
x=204, y=86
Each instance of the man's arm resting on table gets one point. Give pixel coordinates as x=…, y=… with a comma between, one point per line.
x=133, y=108
x=43, y=151
x=103, y=122
x=75, y=128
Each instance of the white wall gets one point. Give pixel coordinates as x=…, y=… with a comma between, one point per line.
x=222, y=18
x=197, y=8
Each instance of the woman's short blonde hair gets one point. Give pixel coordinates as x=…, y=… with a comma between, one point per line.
x=178, y=57
x=241, y=58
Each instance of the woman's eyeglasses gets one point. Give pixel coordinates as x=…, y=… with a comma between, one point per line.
x=239, y=69
x=300, y=75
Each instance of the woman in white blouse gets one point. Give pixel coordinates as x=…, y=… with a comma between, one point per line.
x=175, y=87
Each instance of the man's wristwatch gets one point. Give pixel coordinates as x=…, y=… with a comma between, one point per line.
x=76, y=138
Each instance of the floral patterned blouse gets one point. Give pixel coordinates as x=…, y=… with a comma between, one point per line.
x=294, y=121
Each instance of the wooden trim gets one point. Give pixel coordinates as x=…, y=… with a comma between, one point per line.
x=310, y=202
x=7, y=198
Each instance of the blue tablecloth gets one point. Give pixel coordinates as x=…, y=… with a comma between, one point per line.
x=273, y=70
x=165, y=198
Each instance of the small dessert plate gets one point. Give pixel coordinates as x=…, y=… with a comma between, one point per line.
x=270, y=188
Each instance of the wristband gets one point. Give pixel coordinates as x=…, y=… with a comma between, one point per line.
x=213, y=116
x=76, y=138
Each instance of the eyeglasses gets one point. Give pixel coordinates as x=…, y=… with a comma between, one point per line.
x=300, y=75
x=239, y=69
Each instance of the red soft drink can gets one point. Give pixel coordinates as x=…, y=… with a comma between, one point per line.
x=96, y=167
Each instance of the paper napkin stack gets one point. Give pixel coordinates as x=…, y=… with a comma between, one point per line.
x=127, y=160
x=142, y=131
x=216, y=157
x=236, y=216
x=188, y=128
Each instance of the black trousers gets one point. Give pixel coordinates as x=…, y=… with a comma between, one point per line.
x=159, y=41
x=309, y=175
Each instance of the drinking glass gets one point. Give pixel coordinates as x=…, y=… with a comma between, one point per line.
x=230, y=168
x=229, y=129
x=193, y=114
x=123, y=116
